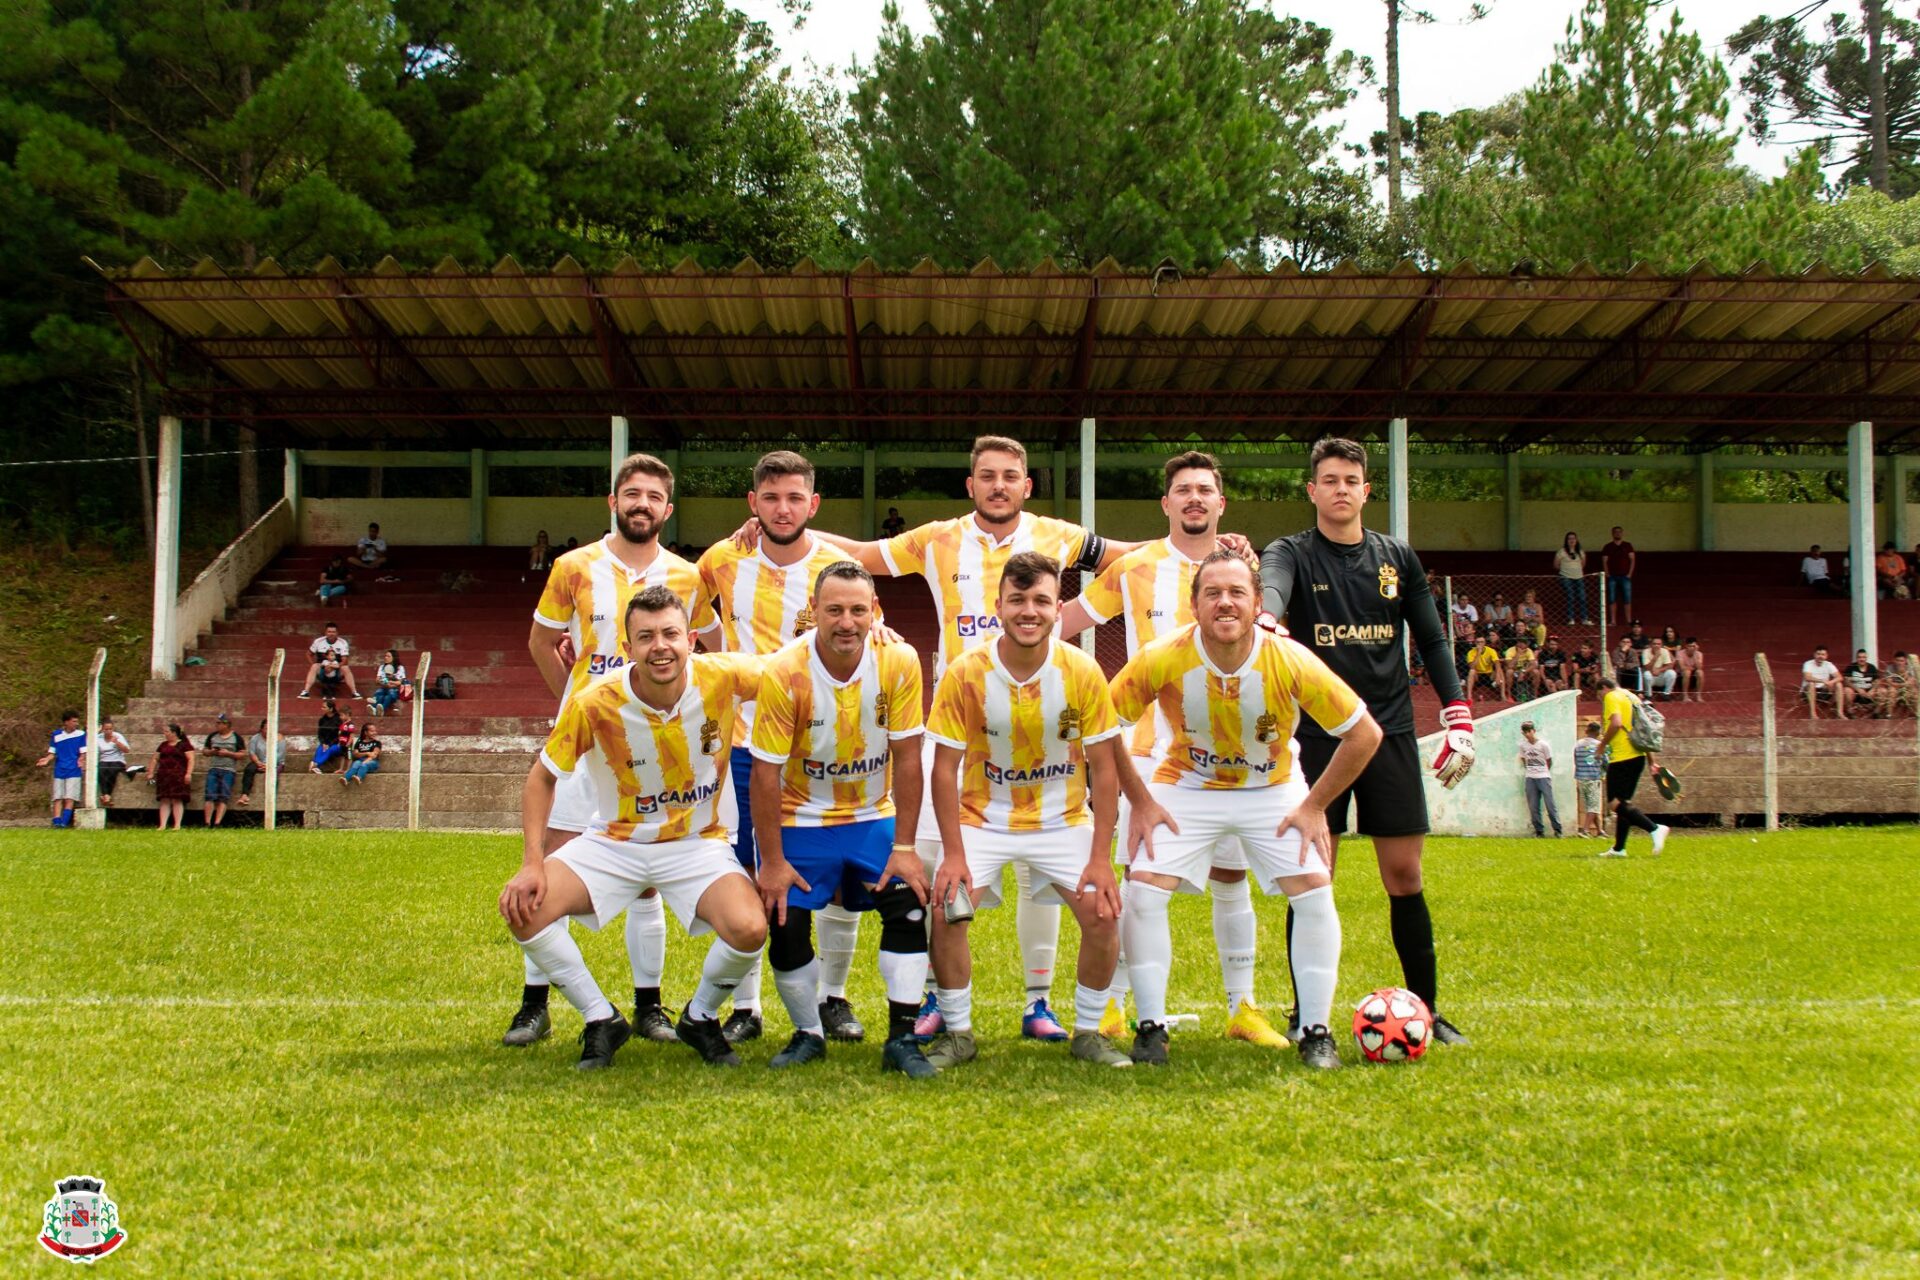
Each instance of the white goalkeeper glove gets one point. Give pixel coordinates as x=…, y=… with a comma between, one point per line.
x=1456, y=747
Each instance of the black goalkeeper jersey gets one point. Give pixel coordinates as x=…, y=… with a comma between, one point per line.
x=1351, y=605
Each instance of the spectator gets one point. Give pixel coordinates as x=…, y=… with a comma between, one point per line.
x=1890, y=574
x=1555, y=670
x=1638, y=634
x=1589, y=767
x=1897, y=686
x=334, y=581
x=1819, y=679
x=1463, y=618
x=171, y=773
x=391, y=684
x=1416, y=669
x=1523, y=671
x=1531, y=618
x=1536, y=763
x=1657, y=674
x=326, y=738
x=1813, y=571
x=1619, y=560
x=894, y=525
x=540, y=556
x=1670, y=638
x=1570, y=562
x=257, y=761
x=366, y=756
x=1859, y=685
x=1498, y=618
x=66, y=752
x=573, y=544
x=113, y=759
x=330, y=670
x=1483, y=662
x=1691, y=664
x=371, y=551
x=1586, y=669
x=221, y=748
x=1626, y=665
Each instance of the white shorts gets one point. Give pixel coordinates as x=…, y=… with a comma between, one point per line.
x=67, y=789
x=1054, y=860
x=1228, y=855
x=617, y=873
x=1208, y=817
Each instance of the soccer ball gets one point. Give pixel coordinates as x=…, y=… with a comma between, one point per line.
x=1392, y=1025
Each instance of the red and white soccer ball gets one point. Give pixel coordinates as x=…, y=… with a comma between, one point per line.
x=1392, y=1025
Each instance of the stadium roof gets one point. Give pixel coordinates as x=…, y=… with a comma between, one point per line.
x=485, y=358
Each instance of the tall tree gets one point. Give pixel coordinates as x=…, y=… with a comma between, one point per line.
x=1854, y=91
x=1079, y=129
x=1397, y=11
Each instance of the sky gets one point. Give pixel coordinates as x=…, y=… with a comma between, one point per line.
x=1444, y=66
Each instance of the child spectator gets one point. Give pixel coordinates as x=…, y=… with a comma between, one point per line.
x=171, y=773
x=1531, y=618
x=391, y=685
x=1586, y=669
x=371, y=551
x=326, y=738
x=257, y=761
x=1483, y=662
x=1819, y=679
x=66, y=752
x=222, y=748
x=1589, y=768
x=329, y=668
x=366, y=756
x=1523, y=670
x=1691, y=664
x=1570, y=562
x=1536, y=763
x=113, y=759
x=334, y=581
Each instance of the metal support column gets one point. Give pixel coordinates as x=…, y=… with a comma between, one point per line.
x=290, y=488
x=670, y=531
x=1866, y=626
x=166, y=551
x=1703, y=500
x=1899, y=468
x=90, y=815
x=1513, y=502
x=270, y=816
x=1397, y=479
x=618, y=440
x=477, y=498
x=1059, y=484
x=1086, y=501
x=869, y=484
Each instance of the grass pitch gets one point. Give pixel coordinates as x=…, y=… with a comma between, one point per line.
x=280, y=1051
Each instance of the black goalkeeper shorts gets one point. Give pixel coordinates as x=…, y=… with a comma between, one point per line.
x=1390, y=791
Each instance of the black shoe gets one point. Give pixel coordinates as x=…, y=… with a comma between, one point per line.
x=742, y=1025
x=653, y=1023
x=905, y=1055
x=1150, y=1044
x=529, y=1026
x=1317, y=1049
x=836, y=1015
x=599, y=1040
x=705, y=1038
x=1446, y=1033
x=805, y=1047
x=1293, y=1024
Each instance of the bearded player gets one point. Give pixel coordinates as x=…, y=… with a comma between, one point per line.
x=836, y=737
x=1151, y=589
x=576, y=639
x=1351, y=595
x=650, y=741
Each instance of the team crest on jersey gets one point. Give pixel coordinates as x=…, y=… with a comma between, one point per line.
x=1266, y=728
x=880, y=711
x=803, y=621
x=81, y=1224
x=1070, y=724
x=709, y=737
x=1389, y=582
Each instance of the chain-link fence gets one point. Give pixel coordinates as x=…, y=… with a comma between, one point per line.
x=1519, y=636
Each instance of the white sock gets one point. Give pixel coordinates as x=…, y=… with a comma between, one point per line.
x=905, y=973
x=1316, y=953
x=558, y=956
x=1089, y=1006
x=838, y=930
x=746, y=996
x=1235, y=937
x=1121, y=982
x=1038, y=928
x=534, y=978
x=956, y=1007
x=1149, y=942
x=719, y=975
x=800, y=992
x=647, y=940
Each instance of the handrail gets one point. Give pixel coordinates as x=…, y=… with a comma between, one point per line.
x=420, y=679
x=91, y=791
x=272, y=816
x=1769, y=744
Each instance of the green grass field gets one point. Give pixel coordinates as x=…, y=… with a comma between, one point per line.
x=280, y=1052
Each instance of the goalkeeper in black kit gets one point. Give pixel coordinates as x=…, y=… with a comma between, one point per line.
x=1351, y=595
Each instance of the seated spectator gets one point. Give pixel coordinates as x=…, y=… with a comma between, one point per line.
x=1691, y=664
x=1898, y=687
x=329, y=652
x=1670, y=638
x=1555, y=670
x=1531, y=618
x=1523, y=670
x=573, y=544
x=1819, y=680
x=326, y=738
x=540, y=556
x=366, y=756
x=1462, y=621
x=1657, y=672
x=1626, y=665
x=1890, y=574
x=1416, y=669
x=894, y=525
x=257, y=760
x=1585, y=666
x=113, y=759
x=391, y=684
x=67, y=753
x=221, y=750
x=1859, y=685
x=371, y=551
x=1484, y=669
x=1638, y=634
x=1814, y=572
x=334, y=581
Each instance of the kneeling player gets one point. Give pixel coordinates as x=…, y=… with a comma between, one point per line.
x=651, y=741
x=1030, y=718
x=1231, y=695
x=836, y=735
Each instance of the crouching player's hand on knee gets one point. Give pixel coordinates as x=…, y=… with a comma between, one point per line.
x=904, y=865
x=953, y=874
x=523, y=895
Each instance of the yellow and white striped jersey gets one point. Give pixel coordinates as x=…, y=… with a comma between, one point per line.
x=762, y=606
x=1151, y=590
x=1025, y=763
x=962, y=565
x=662, y=773
x=587, y=593
x=1231, y=729
x=831, y=738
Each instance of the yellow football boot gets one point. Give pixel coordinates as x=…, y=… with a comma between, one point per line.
x=1113, y=1023
x=1251, y=1025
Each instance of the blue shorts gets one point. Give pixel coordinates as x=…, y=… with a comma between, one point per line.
x=219, y=786
x=741, y=761
x=1620, y=590
x=838, y=860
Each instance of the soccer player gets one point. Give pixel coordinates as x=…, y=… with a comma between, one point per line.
x=761, y=600
x=1230, y=695
x=1351, y=595
x=1625, y=765
x=1024, y=737
x=650, y=742
x=1151, y=588
x=575, y=640
x=836, y=735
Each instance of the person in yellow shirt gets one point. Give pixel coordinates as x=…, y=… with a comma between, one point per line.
x=1485, y=670
x=650, y=742
x=1231, y=694
x=836, y=738
x=1025, y=744
x=1625, y=765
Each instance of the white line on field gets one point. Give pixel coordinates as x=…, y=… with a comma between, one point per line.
x=227, y=1002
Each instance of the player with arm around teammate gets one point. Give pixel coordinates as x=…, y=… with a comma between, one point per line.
x=651, y=742
x=1352, y=595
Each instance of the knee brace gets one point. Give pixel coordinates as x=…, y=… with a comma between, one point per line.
x=903, y=927
x=790, y=945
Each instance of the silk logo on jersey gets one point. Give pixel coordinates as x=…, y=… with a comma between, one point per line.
x=1208, y=760
x=601, y=663
x=821, y=770
x=1004, y=777
x=969, y=625
x=1327, y=634
x=1389, y=582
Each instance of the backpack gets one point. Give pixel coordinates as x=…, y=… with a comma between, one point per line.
x=442, y=686
x=1649, y=731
